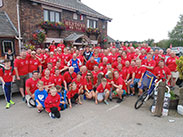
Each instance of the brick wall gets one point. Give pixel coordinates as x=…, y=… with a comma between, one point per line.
x=10, y=7
x=31, y=16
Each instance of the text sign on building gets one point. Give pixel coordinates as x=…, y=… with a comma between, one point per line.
x=75, y=26
x=1, y=3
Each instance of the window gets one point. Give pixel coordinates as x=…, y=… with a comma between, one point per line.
x=91, y=23
x=7, y=45
x=1, y=3
x=81, y=17
x=52, y=16
x=75, y=16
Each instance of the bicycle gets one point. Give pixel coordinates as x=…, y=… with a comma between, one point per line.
x=150, y=81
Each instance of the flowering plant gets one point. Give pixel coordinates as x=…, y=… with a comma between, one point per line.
x=30, y=46
x=38, y=37
x=53, y=25
x=93, y=31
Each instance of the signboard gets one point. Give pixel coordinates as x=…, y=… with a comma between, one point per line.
x=75, y=26
x=1, y=3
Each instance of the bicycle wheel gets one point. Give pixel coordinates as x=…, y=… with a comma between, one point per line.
x=140, y=100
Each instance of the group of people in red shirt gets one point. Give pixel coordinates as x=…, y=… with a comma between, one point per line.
x=94, y=73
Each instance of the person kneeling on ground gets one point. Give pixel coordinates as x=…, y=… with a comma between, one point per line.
x=63, y=97
x=73, y=94
x=52, y=103
x=40, y=96
x=102, y=92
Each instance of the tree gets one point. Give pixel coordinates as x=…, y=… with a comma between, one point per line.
x=150, y=42
x=163, y=43
x=176, y=35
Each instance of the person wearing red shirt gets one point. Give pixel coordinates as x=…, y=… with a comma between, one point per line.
x=61, y=45
x=21, y=67
x=52, y=59
x=162, y=72
x=118, y=85
x=95, y=73
x=120, y=70
x=47, y=80
x=7, y=76
x=80, y=56
x=59, y=66
x=90, y=64
x=52, y=103
x=79, y=82
x=159, y=57
x=119, y=61
x=52, y=46
x=58, y=79
x=34, y=64
x=69, y=75
x=171, y=64
x=149, y=63
x=31, y=86
x=113, y=57
x=137, y=78
x=104, y=63
x=73, y=95
x=126, y=71
x=125, y=58
x=102, y=92
x=88, y=86
x=66, y=57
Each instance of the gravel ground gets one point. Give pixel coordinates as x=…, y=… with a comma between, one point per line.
x=88, y=120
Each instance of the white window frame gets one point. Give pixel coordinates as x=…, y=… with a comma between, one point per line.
x=12, y=46
x=92, y=23
x=75, y=16
x=46, y=15
x=1, y=3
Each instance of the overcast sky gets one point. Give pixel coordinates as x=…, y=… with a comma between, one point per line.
x=139, y=19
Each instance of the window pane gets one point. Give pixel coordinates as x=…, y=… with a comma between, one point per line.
x=52, y=16
x=88, y=23
x=46, y=15
x=7, y=45
x=57, y=17
x=91, y=23
x=94, y=24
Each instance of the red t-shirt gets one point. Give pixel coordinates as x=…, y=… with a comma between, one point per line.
x=7, y=75
x=171, y=63
x=78, y=83
x=113, y=58
x=151, y=63
x=22, y=66
x=138, y=72
x=90, y=65
x=102, y=65
x=66, y=58
x=71, y=93
x=52, y=48
x=47, y=81
x=58, y=80
x=52, y=60
x=68, y=78
x=32, y=84
x=33, y=64
x=160, y=72
x=62, y=46
x=89, y=84
x=126, y=71
x=101, y=89
x=52, y=101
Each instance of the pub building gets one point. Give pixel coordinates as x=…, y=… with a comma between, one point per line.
x=69, y=20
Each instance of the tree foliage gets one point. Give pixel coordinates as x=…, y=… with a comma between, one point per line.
x=176, y=35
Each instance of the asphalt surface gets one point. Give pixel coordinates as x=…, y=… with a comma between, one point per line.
x=88, y=120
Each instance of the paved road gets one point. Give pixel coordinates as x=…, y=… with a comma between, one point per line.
x=88, y=120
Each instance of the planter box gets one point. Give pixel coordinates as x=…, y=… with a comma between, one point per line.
x=174, y=103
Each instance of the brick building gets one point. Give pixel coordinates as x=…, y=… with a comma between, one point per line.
x=27, y=16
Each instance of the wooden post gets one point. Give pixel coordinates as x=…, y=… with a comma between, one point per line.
x=160, y=99
x=181, y=96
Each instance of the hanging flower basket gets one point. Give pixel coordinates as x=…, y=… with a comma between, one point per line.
x=52, y=25
x=38, y=37
x=95, y=31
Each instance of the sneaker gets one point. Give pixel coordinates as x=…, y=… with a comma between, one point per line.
x=119, y=100
x=23, y=99
x=132, y=94
x=51, y=115
x=39, y=111
x=8, y=105
x=12, y=103
x=105, y=101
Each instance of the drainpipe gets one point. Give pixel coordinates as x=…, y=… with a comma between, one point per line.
x=19, y=31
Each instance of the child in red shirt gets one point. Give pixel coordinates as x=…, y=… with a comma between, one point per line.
x=52, y=103
x=7, y=76
x=73, y=95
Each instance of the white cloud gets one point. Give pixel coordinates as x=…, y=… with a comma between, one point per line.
x=139, y=19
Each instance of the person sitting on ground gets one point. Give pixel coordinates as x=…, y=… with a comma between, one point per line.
x=52, y=103
x=102, y=92
x=73, y=95
x=7, y=76
x=40, y=95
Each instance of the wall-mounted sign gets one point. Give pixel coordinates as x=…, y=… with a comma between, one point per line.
x=1, y=3
x=75, y=26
